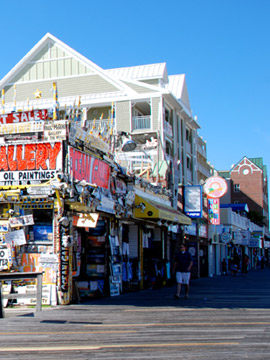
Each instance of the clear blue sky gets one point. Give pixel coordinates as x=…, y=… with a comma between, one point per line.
x=223, y=47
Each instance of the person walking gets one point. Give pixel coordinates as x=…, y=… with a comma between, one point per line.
x=182, y=266
x=245, y=264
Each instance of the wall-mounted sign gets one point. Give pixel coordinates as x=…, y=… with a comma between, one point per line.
x=4, y=259
x=20, y=128
x=55, y=130
x=16, y=237
x=25, y=163
x=226, y=237
x=88, y=168
x=193, y=201
x=21, y=221
x=20, y=117
x=213, y=211
x=86, y=220
x=215, y=187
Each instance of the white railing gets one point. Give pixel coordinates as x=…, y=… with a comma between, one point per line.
x=97, y=125
x=141, y=122
x=229, y=217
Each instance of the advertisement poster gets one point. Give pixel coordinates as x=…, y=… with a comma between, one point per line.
x=193, y=201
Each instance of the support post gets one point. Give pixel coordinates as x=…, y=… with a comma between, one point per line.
x=39, y=293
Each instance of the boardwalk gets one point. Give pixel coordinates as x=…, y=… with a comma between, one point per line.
x=224, y=318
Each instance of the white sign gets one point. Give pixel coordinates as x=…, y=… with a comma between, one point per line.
x=40, y=190
x=17, y=237
x=4, y=259
x=55, y=130
x=21, y=221
x=226, y=237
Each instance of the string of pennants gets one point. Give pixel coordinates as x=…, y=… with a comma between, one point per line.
x=103, y=129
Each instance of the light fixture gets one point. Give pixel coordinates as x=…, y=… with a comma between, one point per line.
x=64, y=221
x=128, y=145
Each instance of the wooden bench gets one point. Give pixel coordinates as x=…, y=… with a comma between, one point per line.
x=18, y=276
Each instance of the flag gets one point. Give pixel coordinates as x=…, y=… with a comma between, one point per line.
x=3, y=101
x=14, y=98
x=56, y=104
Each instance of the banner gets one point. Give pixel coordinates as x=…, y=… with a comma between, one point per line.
x=213, y=211
x=20, y=117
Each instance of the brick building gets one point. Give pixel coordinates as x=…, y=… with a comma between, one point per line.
x=249, y=184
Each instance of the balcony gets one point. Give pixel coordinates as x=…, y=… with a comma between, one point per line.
x=201, y=150
x=203, y=170
x=141, y=122
x=229, y=217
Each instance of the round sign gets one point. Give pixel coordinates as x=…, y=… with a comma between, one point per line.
x=226, y=237
x=215, y=187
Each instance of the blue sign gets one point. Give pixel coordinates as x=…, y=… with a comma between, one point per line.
x=193, y=201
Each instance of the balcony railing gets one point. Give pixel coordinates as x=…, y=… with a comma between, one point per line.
x=201, y=150
x=97, y=125
x=141, y=122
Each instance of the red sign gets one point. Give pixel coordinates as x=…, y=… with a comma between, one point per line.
x=30, y=162
x=19, y=117
x=88, y=168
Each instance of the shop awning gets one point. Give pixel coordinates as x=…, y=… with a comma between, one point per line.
x=235, y=207
x=151, y=210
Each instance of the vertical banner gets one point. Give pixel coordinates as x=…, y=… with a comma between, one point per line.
x=213, y=211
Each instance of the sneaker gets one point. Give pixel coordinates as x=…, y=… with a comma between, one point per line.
x=186, y=296
x=177, y=296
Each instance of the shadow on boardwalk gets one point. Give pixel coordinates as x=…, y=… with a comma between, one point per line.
x=251, y=291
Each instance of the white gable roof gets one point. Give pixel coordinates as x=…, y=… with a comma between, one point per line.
x=48, y=38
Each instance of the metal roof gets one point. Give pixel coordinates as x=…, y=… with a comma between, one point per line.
x=175, y=85
x=142, y=72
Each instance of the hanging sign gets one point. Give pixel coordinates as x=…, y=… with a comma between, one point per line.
x=193, y=201
x=25, y=163
x=213, y=211
x=215, y=187
x=19, y=117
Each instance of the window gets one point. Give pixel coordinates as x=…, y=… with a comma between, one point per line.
x=236, y=187
x=188, y=135
x=189, y=164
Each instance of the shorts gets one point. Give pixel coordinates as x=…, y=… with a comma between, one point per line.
x=182, y=277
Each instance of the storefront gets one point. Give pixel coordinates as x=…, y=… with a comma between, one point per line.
x=156, y=254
